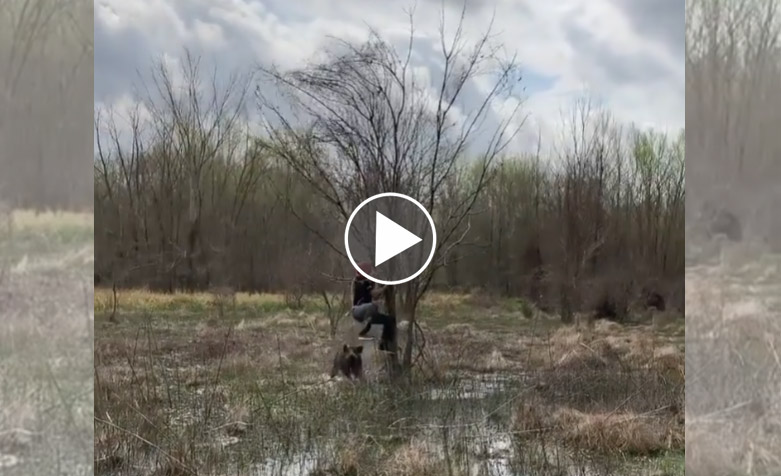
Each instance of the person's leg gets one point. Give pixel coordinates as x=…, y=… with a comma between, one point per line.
x=388, y=330
x=364, y=312
x=388, y=335
x=366, y=329
x=388, y=324
x=376, y=318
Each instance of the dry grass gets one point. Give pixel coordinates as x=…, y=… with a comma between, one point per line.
x=615, y=432
x=621, y=432
x=608, y=390
x=46, y=399
x=446, y=301
x=607, y=344
x=717, y=447
x=144, y=300
x=414, y=459
x=51, y=220
x=733, y=341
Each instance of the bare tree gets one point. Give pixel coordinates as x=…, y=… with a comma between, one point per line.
x=200, y=129
x=184, y=151
x=361, y=123
x=731, y=72
x=26, y=25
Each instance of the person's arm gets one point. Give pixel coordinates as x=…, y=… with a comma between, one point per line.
x=378, y=291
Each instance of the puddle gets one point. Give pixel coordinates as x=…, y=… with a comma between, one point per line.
x=486, y=459
x=466, y=423
x=225, y=441
x=478, y=388
x=476, y=447
x=306, y=465
x=298, y=464
x=492, y=455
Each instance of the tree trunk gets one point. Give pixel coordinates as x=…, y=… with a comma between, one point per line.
x=392, y=351
x=565, y=304
x=410, y=307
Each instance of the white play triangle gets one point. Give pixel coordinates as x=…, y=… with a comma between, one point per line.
x=391, y=239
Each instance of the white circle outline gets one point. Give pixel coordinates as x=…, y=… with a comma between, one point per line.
x=433, y=238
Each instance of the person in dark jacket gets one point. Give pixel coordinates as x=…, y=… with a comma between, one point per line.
x=365, y=310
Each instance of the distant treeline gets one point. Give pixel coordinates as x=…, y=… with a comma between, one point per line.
x=46, y=104
x=620, y=212
x=189, y=202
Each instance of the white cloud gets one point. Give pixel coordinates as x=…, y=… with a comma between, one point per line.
x=567, y=48
x=209, y=35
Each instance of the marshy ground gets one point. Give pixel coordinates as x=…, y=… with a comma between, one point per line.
x=733, y=344
x=46, y=391
x=188, y=384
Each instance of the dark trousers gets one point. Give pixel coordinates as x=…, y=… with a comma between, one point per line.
x=370, y=314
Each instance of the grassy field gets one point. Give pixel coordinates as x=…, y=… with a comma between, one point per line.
x=201, y=383
x=46, y=379
x=733, y=342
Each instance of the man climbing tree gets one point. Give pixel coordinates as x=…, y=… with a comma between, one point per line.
x=365, y=309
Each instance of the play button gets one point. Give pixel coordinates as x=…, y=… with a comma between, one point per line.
x=391, y=239
x=395, y=233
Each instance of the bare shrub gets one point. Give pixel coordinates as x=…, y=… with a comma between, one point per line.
x=294, y=297
x=223, y=299
x=336, y=308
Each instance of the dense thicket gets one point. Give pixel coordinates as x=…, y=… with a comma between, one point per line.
x=45, y=98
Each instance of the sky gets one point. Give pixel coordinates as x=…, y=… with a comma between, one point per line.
x=626, y=55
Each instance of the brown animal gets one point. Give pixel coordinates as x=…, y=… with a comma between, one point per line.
x=349, y=362
x=655, y=300
x=720, y=221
